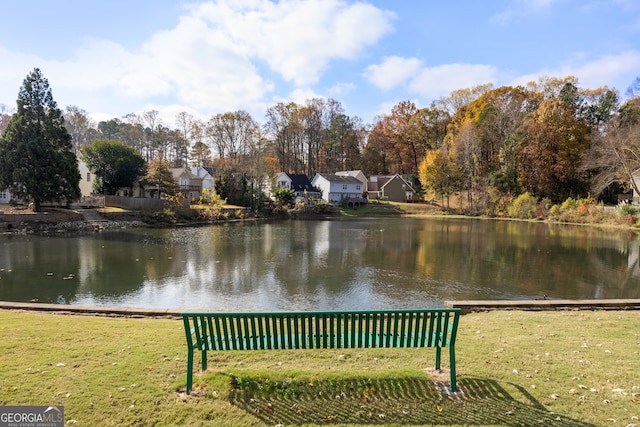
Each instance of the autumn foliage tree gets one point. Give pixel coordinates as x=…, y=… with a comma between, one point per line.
x=440, y=173
x=159, y=179
x=556, y=142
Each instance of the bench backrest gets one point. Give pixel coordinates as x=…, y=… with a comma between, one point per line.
x=333, y=329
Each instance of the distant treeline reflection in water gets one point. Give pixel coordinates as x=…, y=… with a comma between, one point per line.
x=365, y=263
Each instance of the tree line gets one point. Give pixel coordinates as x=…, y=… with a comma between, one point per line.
x=551, y=138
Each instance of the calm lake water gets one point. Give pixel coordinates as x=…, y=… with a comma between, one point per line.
x=321, y=265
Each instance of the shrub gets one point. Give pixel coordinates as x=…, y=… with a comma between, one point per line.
x=163, y=217
x=525, y=206
x=210, y=197
x=625, y=208
x=497, y=203
x=581, y=210
x=626, y=213
x=285, y=195
x=210, y=213
x=313, y=210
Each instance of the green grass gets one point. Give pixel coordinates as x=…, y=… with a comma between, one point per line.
x=372, y=209
x=574, y=368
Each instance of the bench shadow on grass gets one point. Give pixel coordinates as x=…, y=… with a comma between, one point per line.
x=413, y=400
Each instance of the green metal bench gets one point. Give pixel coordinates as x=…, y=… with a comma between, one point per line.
x=334, y=329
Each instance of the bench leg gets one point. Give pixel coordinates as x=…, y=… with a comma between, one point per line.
x=438, y=355
x=189, y=370
x=452, y=362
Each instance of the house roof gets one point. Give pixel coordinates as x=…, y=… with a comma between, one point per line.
x=202, y=171
x=180, y=172
x=345, y=179
x=300, y=182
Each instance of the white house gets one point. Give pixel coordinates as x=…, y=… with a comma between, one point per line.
x=86, y=179
x=356, y=174
x=5, y=197
x=207, y=176
x=636, y=179
x=339, y=188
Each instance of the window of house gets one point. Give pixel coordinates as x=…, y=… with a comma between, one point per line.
x=344, y=186
x=3, y=195
x=88, y=176
x=358, y=187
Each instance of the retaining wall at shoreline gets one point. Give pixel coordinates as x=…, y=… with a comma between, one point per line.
x=466, y=306
x=546, y=304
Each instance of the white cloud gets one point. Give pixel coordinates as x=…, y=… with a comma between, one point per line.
x=428, y=82
x=519, y=8
x=341, y=89
x=441, y=80
x=298, y=39
x=301, y=95
x=609, y=70
x=15, y=67
x=214, y=59
x=394, y=71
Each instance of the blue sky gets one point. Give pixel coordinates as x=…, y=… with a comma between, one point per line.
x=116, y=57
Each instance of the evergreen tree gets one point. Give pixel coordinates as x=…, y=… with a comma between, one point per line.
x=37, y=162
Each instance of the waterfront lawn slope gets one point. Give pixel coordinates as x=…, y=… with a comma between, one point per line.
x=515, y=368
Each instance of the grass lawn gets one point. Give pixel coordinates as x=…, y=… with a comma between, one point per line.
x=569, y=368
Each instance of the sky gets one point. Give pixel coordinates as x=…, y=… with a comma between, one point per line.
x=111, y=58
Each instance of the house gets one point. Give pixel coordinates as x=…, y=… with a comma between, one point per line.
x=207, y=175
x=5, y=197
x=86, y=179
x=299, y=183
x=188, y=182
x=390, y=187
x=339, y=188
x=356, y=174
x=636, y=180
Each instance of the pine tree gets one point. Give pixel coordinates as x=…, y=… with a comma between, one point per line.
x=37, y=162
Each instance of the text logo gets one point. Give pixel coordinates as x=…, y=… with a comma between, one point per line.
x=31, y=416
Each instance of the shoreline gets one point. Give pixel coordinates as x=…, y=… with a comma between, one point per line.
x=467, y=306
x=58, y=220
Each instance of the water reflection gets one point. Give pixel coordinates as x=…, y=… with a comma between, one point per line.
x=302, y=265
